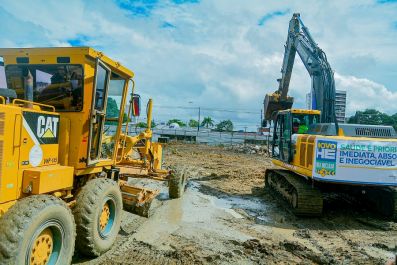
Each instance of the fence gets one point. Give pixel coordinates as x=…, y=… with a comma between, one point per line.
x=204, y=136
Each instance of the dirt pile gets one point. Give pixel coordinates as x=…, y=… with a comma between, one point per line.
x=248, y=149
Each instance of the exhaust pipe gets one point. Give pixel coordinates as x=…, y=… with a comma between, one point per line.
x=28, y=85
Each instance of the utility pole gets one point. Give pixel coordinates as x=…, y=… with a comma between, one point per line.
x=261, y=122
x=198, y=125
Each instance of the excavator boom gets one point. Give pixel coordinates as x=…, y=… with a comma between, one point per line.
x=300, y=41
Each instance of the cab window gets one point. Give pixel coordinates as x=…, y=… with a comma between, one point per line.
x=113, y=112
x=59, y=85
x=302, y=122
x=3, y=83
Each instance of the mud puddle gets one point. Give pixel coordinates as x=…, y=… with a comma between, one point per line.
x=195, y=215
x=195, y=229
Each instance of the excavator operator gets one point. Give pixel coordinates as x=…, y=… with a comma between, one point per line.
x=299, y=126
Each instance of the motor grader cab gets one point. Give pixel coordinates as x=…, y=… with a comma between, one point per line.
x=66, y=154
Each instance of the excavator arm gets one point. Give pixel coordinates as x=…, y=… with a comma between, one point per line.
x=300, y=41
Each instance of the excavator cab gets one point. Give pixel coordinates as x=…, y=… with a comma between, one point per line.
x=288, y=124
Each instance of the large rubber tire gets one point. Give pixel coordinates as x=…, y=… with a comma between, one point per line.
x=25, y=221
x=176, y=184
x=91, y=239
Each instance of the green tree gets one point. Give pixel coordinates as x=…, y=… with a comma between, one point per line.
x=225, y=126
x=144, y=124
x=112, y=111
x=207, y=122
x=371, y=116
x=125, y=117
x=177, y=121
x=141, y=124
x=193, y=123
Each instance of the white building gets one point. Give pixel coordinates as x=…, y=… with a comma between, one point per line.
x=340, y=105
x=309, y=100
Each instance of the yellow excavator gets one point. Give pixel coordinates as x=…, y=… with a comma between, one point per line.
x=66, y=154
x=313, y=152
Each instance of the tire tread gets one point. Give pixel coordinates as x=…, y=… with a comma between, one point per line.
x=14, y=222
x=83, y=211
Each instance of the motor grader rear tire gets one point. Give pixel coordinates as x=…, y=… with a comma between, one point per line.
x=39, y=229
x=98, y=216
x=176, y=184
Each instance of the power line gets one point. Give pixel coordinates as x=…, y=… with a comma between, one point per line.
x=210, y=109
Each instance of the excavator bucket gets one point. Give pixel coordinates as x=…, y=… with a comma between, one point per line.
x=273, y=103
x=138, y=200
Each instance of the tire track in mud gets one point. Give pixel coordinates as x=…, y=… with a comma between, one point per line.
x=354, y=249
x=137, y=252
x=128, y=250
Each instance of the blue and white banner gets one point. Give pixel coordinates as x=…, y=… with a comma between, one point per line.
x=355, y=161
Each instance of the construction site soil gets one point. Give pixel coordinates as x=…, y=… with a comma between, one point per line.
x=227, y=217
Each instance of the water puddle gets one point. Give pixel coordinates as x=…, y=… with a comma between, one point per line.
x=193, y=216
x=254, y=207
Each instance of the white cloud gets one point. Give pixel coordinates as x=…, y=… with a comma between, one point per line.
x=364, y=94
x=215, y=54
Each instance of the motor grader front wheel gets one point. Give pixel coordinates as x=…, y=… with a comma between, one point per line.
x=97, y=212
x=39, y=229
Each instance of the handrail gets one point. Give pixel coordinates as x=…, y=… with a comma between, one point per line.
x=3, y=99
x=15, y=101
x=126, y=125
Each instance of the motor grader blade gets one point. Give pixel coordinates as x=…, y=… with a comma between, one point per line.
x=138, y=200
x=127, y=170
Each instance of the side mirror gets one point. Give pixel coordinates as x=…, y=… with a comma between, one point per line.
x=136, y=105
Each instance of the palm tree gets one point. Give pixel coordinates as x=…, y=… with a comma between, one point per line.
x=207, y=122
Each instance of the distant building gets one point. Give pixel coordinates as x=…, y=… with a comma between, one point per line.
x=309, y=100
x=340, y=104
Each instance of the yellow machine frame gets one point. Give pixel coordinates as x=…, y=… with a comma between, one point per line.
x=67, y=160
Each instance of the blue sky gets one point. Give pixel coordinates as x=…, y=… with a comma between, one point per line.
x=222, y=54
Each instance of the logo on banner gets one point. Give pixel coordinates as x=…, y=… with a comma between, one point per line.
x=326, y=157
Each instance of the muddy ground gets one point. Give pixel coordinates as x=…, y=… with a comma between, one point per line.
x=226, y=217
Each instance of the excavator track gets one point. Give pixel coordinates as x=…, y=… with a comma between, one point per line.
x=304, y=199
x=395, y=204
x=394, y=207
x=386, y=203
x=382, y=200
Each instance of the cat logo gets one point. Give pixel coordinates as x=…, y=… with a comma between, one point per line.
x=47, y=126
x=42, y=128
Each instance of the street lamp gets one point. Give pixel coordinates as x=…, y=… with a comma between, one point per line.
x=199, y=113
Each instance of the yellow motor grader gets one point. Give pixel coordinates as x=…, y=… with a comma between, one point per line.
x=66, y=154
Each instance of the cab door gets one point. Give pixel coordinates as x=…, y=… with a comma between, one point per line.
x=281, y=148
x=98, y=112
x=286, y=137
